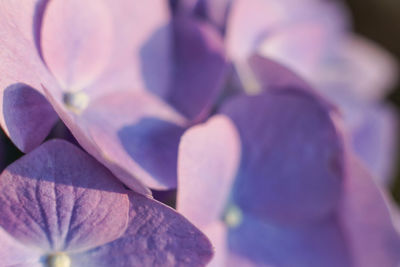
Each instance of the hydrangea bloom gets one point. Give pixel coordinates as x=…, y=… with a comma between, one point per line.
x=122, y=75
x=272, y=182
x=312, y=38
x=60, y=207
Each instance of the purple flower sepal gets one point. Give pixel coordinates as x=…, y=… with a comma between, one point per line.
x=272, y=182
x=60, y=207
x=120, y=74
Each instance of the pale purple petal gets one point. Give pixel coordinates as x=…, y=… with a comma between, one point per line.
x=291, y=155
x=359, y=66
x=209, y=156
x=375, y=141
x=14, y=253
x=264, y=244
x=21, y=64
x=76, y=39
x=141, y=55
x=28, y=115
x=367, y=223
x=156, y=236
x=59, y=198
x=199, y=70
x=134, y=134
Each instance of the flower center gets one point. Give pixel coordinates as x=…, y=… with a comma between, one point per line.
x=76, y=101
x=233, y=216
x=58, y=259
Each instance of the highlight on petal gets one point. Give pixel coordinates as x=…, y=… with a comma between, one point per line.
x=199, y=68
x=59, y=198
x=134, y=134
x=156, y=236
x=28, y=116
x=209, y=156
x=76, y=40
x=291, y=155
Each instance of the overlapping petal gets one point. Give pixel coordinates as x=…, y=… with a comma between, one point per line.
x=57, y=200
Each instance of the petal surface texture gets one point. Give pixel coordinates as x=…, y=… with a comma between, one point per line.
x=156, y=236
x=59, y=198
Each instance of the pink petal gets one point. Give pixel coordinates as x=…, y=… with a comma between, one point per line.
x=58, y=198
x=76, y=40
x=134, y=134
x=209, y=156
x=21, y=65
x=373, y=240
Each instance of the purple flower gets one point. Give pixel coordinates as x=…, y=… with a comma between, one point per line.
x=125, y=77
x=272, y=182
x=61, y=207
x=312, y=38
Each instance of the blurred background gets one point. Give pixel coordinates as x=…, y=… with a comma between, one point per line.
x=379, y=20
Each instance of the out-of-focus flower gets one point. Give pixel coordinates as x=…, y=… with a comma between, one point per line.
x=272, y=182
x=60, y=207
x=123, y=76
x=312, y=38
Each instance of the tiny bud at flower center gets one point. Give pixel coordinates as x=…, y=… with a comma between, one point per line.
x=58, y=259
x=233, y=216
x=76, y=101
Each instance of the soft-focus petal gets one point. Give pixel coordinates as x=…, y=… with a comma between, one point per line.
x=217, y=233
x=264, y=244
x=59, y=198
x=372, y=238
x=374, y=140
x=291, y=156
x=359, y=66
x=156, y=236
x=28, y=115
x=209, y=155
x=76, y=40
x=199, y=70
x=134, y=134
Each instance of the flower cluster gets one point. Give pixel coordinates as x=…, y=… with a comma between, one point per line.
x=263, y=119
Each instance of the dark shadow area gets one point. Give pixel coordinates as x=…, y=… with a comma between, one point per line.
x=153, y=144
x=168, y=197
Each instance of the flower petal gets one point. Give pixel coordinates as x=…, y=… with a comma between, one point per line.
x=58, y=198
x=156, y=236
x=76, y=40
x=28, y=115
x=200, y=68
x=21, y=64
x=292, y=155
x=209, y=156
x=263, y=244
x=366, y=220
x=134, y=134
